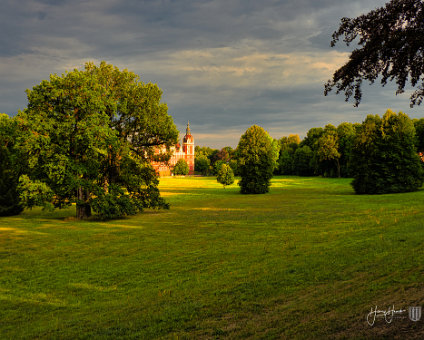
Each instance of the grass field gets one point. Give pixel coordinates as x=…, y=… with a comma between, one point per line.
x=308, y=260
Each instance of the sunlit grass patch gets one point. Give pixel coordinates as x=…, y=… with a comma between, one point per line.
x=306, y=260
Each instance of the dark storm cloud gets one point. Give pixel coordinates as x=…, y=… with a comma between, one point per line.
x=222, y=64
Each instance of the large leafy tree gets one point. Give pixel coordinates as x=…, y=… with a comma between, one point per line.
x=11, y=166
x=384, y=159
x=91, y=135
x=257, y=154
x=391, y=47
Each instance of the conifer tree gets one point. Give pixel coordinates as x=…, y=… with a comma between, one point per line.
x=225, y=175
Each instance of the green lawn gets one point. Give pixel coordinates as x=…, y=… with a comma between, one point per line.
x=308, y=260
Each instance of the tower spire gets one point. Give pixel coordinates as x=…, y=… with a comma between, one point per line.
x=188, y=128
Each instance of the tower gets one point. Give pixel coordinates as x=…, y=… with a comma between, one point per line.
x=188, y=149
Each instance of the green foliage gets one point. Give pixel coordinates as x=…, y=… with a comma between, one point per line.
x=91, y=133
x=140, y=180
x=181, y=168
x=384, y=159
x=229, y=151
x=11, y=166
x=202, y=164
x=203, y=150
x=302, y=161
x=215, y=159
x=288, y=146
x=328, y=150
x=289, y=143
x=214, y=156
x=312, y=137
x=217, y=166
x=35, y=193
x=331, y=149
x=286, y=162
x=224, y=155
x=346, y=133
x=257, y=154
x=390, y=48
x=225, y=175
x=234, y=166
x=419, y=134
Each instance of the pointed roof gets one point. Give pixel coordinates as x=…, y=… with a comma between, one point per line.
x=188, y=129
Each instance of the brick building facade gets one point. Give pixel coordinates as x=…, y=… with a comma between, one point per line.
x=184, y=151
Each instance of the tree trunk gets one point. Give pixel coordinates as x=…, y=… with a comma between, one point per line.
x=83, y=207
x=338, y=168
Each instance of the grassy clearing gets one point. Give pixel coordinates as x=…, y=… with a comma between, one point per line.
x=308, y=260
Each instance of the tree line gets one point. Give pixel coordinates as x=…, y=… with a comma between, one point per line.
x=393, y=142
x=382, y=155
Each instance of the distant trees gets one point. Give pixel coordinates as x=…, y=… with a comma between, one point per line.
x=181, y=168
x=346, y=133
x=288, y=146
x=208, y=161
x=286, y=162
x=381, y=153
x=384, y=157
x=11, y=166
x=311, y=140
x=302, y=161
x=324, y=152
x=225, y=175
x=257, y=154
x=328, y=150
x=202, y=164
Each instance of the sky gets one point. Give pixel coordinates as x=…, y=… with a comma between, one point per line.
x=223, y=65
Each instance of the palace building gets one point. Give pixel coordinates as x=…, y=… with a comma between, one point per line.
x=186, y=152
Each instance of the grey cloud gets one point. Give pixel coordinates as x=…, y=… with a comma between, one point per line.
x=222, y=64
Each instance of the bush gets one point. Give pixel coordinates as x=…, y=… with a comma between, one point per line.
x=225, y=175
x=181, y=168
x=256, y=154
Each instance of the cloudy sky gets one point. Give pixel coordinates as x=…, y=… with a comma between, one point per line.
x=222, y=64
